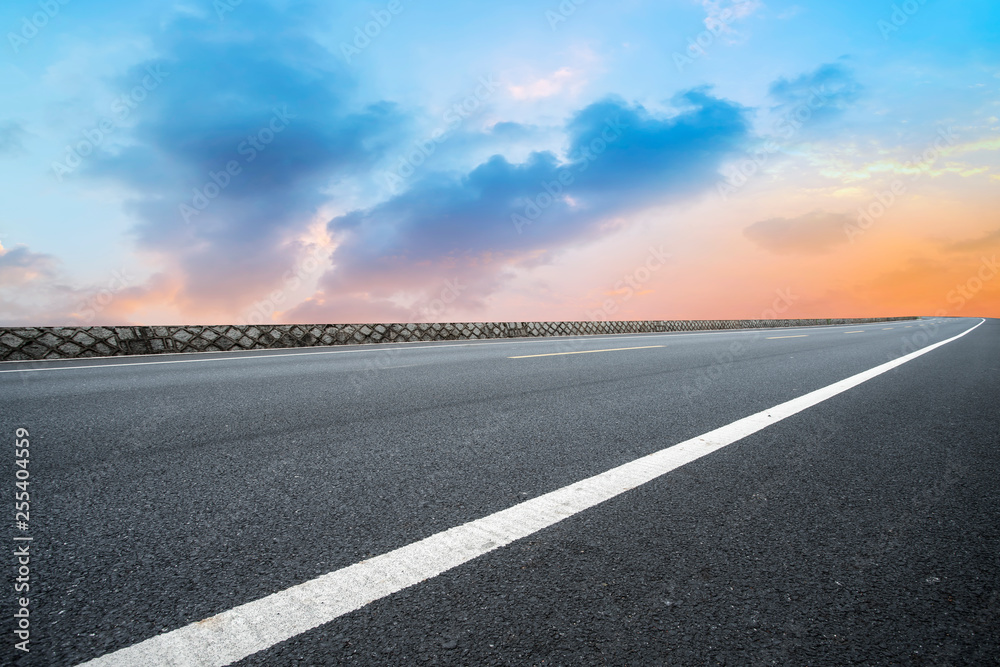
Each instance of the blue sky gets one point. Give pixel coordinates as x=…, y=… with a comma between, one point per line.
x=203, y=161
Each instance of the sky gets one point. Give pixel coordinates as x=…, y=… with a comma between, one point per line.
x=275, y=161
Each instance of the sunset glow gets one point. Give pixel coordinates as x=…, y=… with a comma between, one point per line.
x=191, y=162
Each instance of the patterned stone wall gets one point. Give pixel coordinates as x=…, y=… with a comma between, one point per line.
x=27, y=343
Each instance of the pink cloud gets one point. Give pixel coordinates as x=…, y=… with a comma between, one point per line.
x=554, y=84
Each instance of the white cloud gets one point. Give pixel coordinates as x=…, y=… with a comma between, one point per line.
x=554, y=84
x=720, y=14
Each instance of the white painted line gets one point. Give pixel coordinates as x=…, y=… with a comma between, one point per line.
x=258, y=625
x=562, y=354
x=201, y=357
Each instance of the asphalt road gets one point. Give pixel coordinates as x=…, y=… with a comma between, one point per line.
x=862, y=530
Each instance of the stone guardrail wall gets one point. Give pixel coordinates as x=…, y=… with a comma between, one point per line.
x=32, y=343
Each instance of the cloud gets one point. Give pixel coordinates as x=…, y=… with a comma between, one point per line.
x=809, y=234
x=12, y=136
x=720, y=14
x=478, y=226
x=989, y=240
x=827, y=92
x=20, y=266
x=349, y=309
x=33, y=292
x=255, y=94
x=554, y=84
x=921, y=161
x=509, y=131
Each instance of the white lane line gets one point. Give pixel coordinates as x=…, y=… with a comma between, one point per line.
x=562, y=354
x=379, y=347
x=258, y=625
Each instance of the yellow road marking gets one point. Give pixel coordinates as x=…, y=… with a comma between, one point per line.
x=777, y=337
x=556, y=354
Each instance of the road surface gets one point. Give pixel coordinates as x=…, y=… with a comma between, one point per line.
x=175, y=498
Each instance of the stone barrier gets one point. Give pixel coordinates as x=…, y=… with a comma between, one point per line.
x=33, y=343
